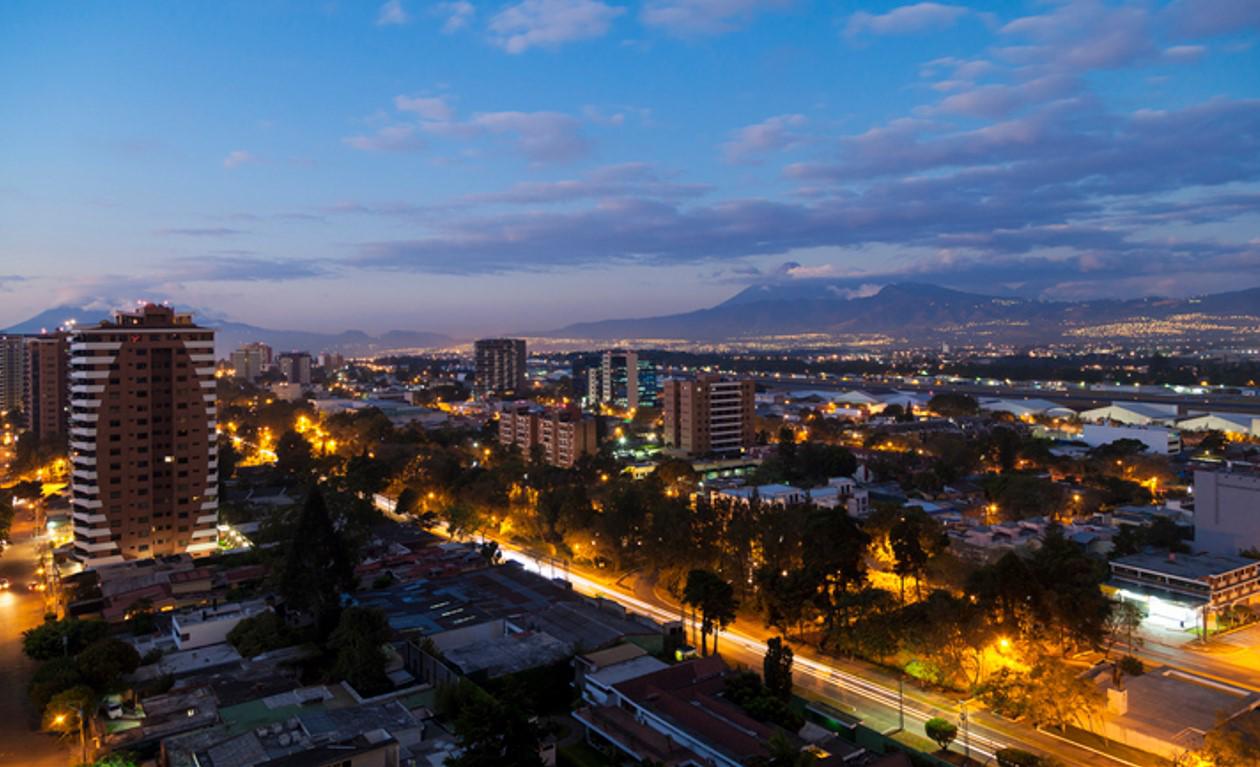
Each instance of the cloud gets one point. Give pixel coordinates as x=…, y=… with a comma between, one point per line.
x=238, y=157
x=905, y=20
x=1184, y=53
x=1205, y=18
x=704, y=17
x=1081, y=35
x=432, y=108
x=391, y=138
x=751, y=142
x=214, y=231
x=457, y=14
x=392, y=13
x=240, y=268
x=550, y=23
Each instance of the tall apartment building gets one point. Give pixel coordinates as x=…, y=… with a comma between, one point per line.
x=709, y=414
x=251, y=361
x=564, y=434
x=623, y=380
x=48, y=386
x=12, y=372
x=499, y=366
x=1226, y=511
x=296, y=368
x=142, y=437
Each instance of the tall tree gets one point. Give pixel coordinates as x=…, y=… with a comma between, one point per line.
x=359, y=641
x=776, y=668
x=496, y=734
x=834, y=553
x=316, y=569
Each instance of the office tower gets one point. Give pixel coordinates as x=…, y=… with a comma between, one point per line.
x=12, y=372
x=142, y=437
x=709, y=414
x=296, y=368
x=563, y=434
x=48, y=386
x=251, y=361
x=499, y=366
x=331, y=361
x=623, y=380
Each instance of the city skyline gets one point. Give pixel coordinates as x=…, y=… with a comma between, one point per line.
x=439, y=166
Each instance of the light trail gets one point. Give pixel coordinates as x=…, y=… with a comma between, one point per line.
x=827, y=675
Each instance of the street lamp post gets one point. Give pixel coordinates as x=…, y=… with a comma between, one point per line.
x=966, y=732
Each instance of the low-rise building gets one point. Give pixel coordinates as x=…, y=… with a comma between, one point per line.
x=1227, y=511
x=195, y=628
x=1183, y=590
x=1133, y=413
x=1158, y=439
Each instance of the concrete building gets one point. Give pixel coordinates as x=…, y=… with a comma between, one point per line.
x=564, y=434
x=142, y=437
x=1185, y=590
x=1158, y=439
x=251, y=361
x=709, y=414
x=196, y=628
x=499, y=366
x=48, y=386
x=1226, y=511
x=296, y=368
x=12, y=372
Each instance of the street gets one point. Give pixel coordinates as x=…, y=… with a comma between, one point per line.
x=21, y=609
x=851, y=686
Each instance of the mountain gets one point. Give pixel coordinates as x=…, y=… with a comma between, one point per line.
x=230, y=335
x=913, y=313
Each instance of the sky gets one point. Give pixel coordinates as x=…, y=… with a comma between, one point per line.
x=469, y=166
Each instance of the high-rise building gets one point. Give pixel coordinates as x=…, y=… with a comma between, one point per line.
x=499, y=366
x=142, y=437
x=251, y=361
x=48, y=386
x=563, y=434
x=296, y=368
x=623, y=380
x=12, y=372
x=709, y=414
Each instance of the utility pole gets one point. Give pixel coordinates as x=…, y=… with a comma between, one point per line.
x=82, y=736
x=966, y=733
x=901, y=701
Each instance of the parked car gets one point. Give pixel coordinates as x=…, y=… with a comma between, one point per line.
x=4, y=584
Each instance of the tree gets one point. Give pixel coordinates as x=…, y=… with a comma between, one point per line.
x=834, y=554
x=776, y=668
x=294, y=457
x=104, y=661
x=316, y=568
x=1124, y=619
x=782, y=752
x=495, y=734
x=53, y=676
x=359, y=641
x=260, y=633
x=67, y=710
x=914, y=539
x=715, y=599
x=953, y=405
x=1234, y=742
x=407, y=501
x=57, y=638
x=942, y=732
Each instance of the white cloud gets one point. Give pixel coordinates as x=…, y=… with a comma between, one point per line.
x=703, y=17
x=549, y=23
x=774, y=133
x=391, y=138
x=458, y=14
x=429, y=108
x=906, y=20
x=238, y=157
x=392, y=13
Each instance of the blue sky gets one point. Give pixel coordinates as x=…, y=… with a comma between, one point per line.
x=470, y=167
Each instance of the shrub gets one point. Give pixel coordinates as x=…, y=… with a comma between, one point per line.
x=1015, y=757
x=941, y=731
x=1131, y=666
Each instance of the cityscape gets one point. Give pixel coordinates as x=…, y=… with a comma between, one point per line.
x=680, y=383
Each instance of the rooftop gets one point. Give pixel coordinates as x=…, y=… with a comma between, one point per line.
x=1198, y=567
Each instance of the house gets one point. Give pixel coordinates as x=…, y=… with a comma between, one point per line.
x=767, y=495
x=191, y=629
x=676, y=716
x=841, y=492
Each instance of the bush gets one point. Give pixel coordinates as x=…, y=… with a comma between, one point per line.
x=259, y=634
x=1131, y=666
x=1014, y=757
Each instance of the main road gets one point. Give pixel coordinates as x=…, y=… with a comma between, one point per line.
x=869, y=693
x=21, y=609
